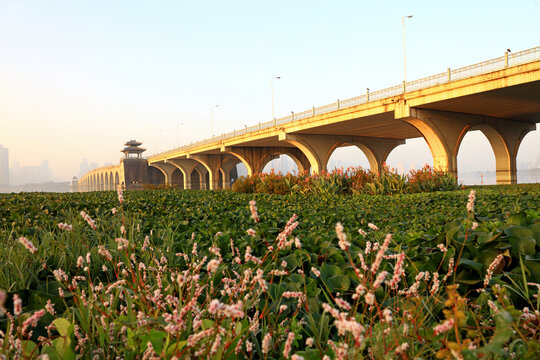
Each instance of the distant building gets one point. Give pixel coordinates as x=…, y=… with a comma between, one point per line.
x=4, y=166
x=20, y=175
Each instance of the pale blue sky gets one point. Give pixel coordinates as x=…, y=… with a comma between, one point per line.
x=79, y=78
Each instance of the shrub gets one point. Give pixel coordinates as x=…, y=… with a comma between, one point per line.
x=429, y=179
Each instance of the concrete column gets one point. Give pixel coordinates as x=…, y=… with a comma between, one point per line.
x=227, y=167
x=444, y=131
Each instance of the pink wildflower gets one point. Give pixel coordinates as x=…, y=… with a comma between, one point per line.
x=266, y=343
x=213, y=265
x=315, y=272
x=380, y=254
x=398, y=272
x=470, y=203
x=28, y=244
x=253, y=208
x=372, y=226
x=362, y=232
x=494, y=264
x=65, y=226
x=120, y=195
x=444, y=327
x=442, y=248
x=17, y=304
x=343, y=304
x=50, y=307
x=32, y=321
x=251, y=232
x=379, y=279
x=288, y=345
x=370, y=298
x=89, y=220
x=435, y=286
x=343, y=243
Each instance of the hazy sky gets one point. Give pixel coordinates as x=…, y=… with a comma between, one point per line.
x=79, y=78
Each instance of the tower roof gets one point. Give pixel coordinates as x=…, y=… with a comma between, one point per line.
x=132, y=147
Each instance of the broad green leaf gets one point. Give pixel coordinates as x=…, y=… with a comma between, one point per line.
x=63, y=326
x=328, y=271
x=535, y=228
x=29, y=348
x=522, y=245
x=519, y=219
x=339, y=283
x=519, y=231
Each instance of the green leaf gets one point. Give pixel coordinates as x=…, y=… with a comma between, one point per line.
x=29, y=348
x=63, y=326
x=339, y=283
x=476, y=266
x=503, y=333
x=519, y=232
x=328, y=271
x=157, y=338
x=519, y=219
x=522, y=246
x=535, y=228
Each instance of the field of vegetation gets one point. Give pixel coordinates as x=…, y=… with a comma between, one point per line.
x=226, y=275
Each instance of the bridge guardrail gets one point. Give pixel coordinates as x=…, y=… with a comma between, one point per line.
x=508, y=60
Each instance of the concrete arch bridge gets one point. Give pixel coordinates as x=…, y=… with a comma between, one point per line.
x=500, y=97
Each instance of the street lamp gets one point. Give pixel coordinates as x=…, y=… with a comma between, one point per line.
x=272, y=86
x=404, y=60
x=212, y=118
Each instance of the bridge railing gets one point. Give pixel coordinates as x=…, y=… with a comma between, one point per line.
x=510, y=59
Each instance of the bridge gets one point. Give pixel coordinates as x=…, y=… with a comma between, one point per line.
x=500, y=97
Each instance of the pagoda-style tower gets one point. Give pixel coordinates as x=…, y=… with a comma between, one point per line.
x=135, y=167
x=132, y=149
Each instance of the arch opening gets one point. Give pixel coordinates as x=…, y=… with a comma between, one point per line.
x=282, y=163
x=177, y=179
x=195, y=180
x=476, y=160
x=155, y=176
x=347, y=156
x=412, y=155
x=528, y=159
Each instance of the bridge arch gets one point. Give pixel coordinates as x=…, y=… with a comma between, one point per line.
x=157, y=175
x=106, y=181
x=444, y=131
x=278, y=163
x=345, y=155
x=177, y=178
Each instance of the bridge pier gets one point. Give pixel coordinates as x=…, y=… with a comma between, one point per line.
x=319, y=148
x=444, y=131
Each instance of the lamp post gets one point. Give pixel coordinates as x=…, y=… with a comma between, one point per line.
x=212, y=119
x=272, y=86
x=404, y=59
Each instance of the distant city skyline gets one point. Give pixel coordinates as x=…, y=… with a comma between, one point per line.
x=81, y=78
